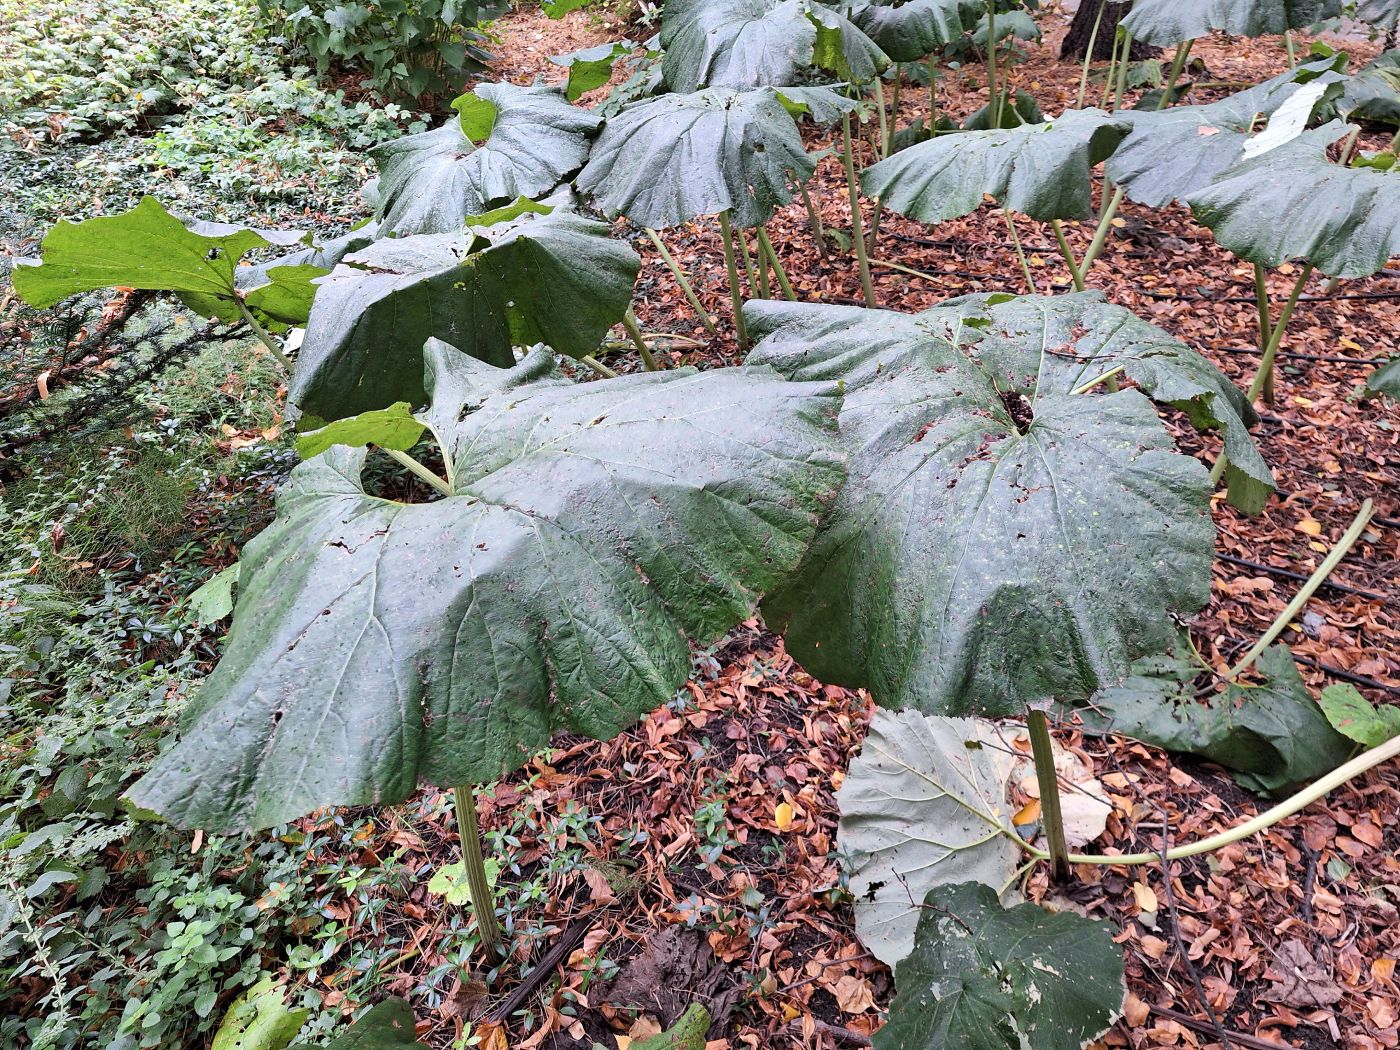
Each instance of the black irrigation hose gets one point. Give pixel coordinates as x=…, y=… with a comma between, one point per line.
x=1305, y=357
x=1291, y=575
x=1346, y=676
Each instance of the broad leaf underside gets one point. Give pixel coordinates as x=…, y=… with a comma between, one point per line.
x=665, y=161
x=1168, y=22
x=1040, y=170
x=557, y=279
x=923, y=804
x=1294, y=203
x=594, y=529
x=970, y=567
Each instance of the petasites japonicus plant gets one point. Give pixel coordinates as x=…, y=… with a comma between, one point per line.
x=1175, y=152
x=1041, y=170
x=743, y=44
x=506, y=142
x=665, y=161
x=1294, y=203
x=1167, y=22
x=148, y=248
x=984, y=977
x=592, y=531
x=1012, y=531
x=546, y=276
x=909, y=31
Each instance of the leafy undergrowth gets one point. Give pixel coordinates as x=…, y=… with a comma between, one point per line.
x=715, y=815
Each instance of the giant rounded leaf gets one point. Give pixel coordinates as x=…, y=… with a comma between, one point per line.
x=1002, y=539
x=1294, y=203
x=752, y=43
x=553, y=278
x=665, y=161
x=1172, y=153
x=1167, y=22
x=592, y=530
x=1040, y=170
x=984, y=977
x=908, y=30
x=431, y=182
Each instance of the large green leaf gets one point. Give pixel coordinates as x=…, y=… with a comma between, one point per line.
x=553, y=278
x=1040, y=170
x=1294, y=203
x=431, y=182
x=923, y=804
x=908, y=31
x=1167, y=22
x=743, y=44
x=984, y=977
x=149, y=248
x=1002, y=540
x=1383, y=14
x=1374, y=93
x=1173, y=153
x=388, y=1026
x=594, y=528
x=1273, y=736
x=1386, y=379
x=665, y=161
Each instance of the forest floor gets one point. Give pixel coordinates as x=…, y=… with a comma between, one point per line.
x=1322, y=887
x=694, y=857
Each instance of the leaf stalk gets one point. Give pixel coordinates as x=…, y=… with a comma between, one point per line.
x=1308, y=589
x=417, y=469
x=765, y=245
x=736, y=299
x=1051, y=819
x=263, y=335
x=629, y=322
x=474, y=864
x=857, y=228
x=686, y=288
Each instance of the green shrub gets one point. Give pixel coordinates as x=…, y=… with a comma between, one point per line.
x=403, y=47
x=223, y=104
